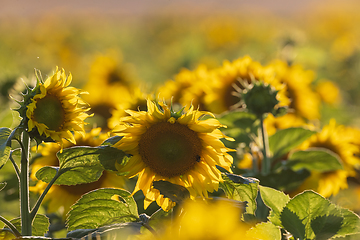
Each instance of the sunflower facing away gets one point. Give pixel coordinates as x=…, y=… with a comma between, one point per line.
x=56, y=110
x=180, y=148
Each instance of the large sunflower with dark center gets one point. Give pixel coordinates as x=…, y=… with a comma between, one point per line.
x=182, y=149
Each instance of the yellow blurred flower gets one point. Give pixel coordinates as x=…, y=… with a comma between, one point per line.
x=61, y=197
x=328, y=91
x=210, y=220
x=110, y=82
x=226, y=82
x=304, y=101
x=57, y=110
x=335, y=138
x=176, y=147
x=188, y=87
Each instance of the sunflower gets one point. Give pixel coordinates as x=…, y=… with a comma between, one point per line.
x=228, y=78
x=187, y=86
x=61, y=197
x=56, y=110
x=304, y=101
x=334, y=138
x=177, y=147
x=111, y=77
x=200, y=220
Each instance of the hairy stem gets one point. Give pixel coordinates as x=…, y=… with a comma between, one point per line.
x=265, y=149
x=24, y=186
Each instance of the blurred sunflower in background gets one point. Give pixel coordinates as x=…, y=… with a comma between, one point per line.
x=61, y=197
x=228, y=79
x=180, y=148
x=187, y=87
x=337, y=139
x=111, y=81
x=54, y=110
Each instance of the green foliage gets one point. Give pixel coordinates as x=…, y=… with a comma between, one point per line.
x=82, y=165
x=40, y=225
x=309, y=215
x=285, y=140
x=319, y=159
x=276, y=201
x=265, y=229
x=102, y=207
x=242, y=189
x=5, y=145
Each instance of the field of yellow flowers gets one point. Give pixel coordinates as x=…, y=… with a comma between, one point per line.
x=181, y=126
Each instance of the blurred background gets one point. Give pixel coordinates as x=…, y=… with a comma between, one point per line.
x=147, y=43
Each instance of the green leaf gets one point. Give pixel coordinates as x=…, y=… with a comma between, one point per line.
x=102, y=207
x=5, y=145
x=175, y=192
x=350, y=225
x=239, y=126
x=80, y=165
x=266, y=230
x=46, y=173
x=242, y=189
x=40, y=225
x=284, y=179
x=283, y=141
x=309, y=215
x=319, y=159
x=276, y=201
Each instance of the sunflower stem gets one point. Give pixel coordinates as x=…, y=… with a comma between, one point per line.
x=265, y=168
x=11, y=226
x=42, y=196
x=24, y=186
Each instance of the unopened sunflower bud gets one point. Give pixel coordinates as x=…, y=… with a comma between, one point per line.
x=260, y=98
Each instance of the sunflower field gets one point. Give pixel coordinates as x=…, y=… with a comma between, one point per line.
x=181, y=124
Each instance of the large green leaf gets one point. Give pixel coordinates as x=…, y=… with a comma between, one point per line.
x=40, y=225
x=80, y=165
x=310, y=216
x=242, y=189
x=283, y=141
x=5, y=145
x=102, y=207
x=276, y=201
x=319, y=159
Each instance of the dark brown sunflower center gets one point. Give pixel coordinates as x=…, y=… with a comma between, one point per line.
x=50, y=112
x=170, y=149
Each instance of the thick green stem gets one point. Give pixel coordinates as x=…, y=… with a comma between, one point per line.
x=42, y=196
x=24, y=186
x=265, y=149
x=11, y=226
